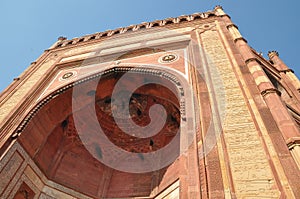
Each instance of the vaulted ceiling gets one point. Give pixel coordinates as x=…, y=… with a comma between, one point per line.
x=52, y=139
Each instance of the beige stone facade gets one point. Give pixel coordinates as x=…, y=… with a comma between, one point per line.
x=232, y=117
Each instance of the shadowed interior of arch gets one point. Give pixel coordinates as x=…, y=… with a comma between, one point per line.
x=52, y=141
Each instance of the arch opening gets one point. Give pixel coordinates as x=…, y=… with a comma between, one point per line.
x=52, y=141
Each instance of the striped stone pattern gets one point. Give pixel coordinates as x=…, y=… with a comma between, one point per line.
x=250, y=170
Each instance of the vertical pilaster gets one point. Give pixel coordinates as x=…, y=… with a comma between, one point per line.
x=271, y=96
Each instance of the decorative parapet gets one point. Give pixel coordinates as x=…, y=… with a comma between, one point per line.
x=62, y=41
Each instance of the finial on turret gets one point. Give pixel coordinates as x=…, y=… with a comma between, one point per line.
x=277, y=62
x=218, y=7
x=61, y=38
x=219, y=10
x=272, y=53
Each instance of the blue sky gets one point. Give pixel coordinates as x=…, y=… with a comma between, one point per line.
x=29, y=27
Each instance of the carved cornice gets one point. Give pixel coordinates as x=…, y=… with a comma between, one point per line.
x=269, y=91
x=252, y=59
x=145, y=25
x=286, y=71
x=292, y=142
x=240, y=38
x=231, y=25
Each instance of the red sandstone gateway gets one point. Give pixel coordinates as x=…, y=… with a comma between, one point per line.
x=175, y=108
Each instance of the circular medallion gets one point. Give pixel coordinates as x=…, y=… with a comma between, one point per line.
x=67, y=75
x=168, y=58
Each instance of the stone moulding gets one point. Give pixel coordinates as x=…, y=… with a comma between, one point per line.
x=59, y=91
x=146, y=25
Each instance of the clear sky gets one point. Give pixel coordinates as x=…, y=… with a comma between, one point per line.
x=29, y=27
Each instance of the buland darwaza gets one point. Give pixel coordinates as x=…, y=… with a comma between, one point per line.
x=175, y=108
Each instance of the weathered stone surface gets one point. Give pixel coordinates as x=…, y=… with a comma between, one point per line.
x=250, y=170
x=238, y=96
